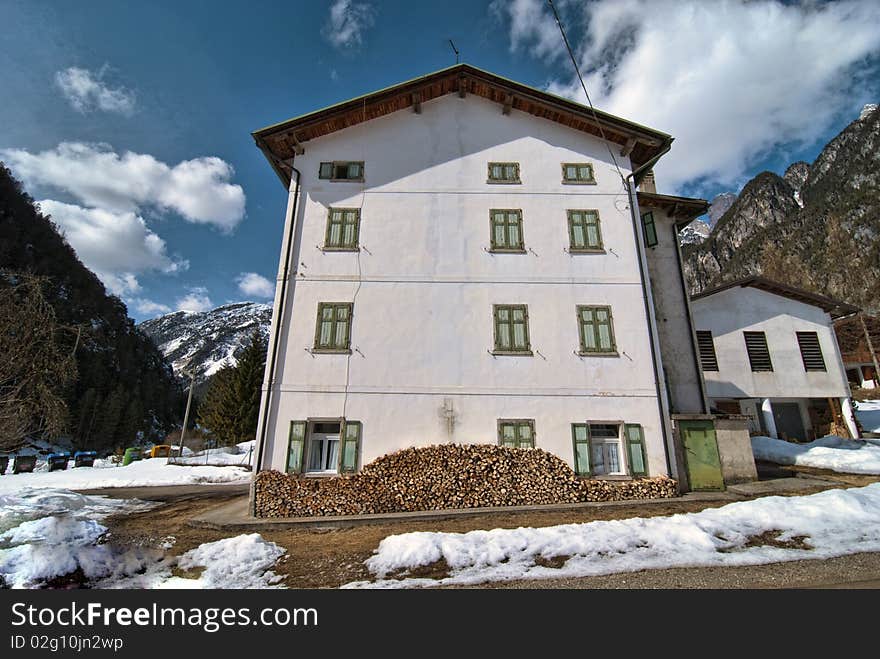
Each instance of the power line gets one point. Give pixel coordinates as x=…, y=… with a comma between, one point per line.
x=586, y=93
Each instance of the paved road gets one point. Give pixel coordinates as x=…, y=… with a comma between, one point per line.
x=167, y=493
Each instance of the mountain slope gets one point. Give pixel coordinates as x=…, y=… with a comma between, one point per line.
x=124, y=386
x=208, y=340
x=816, y=228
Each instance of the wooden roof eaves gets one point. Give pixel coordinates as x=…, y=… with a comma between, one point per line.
x=834, y=307
x=684, y=207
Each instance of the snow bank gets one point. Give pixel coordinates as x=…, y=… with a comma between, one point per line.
x=869, y=415
x=48, y=534
x=240, y=455
x=142, y=473
x=831, y=523
x=831, y=452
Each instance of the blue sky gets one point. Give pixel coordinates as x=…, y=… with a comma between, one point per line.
x=131, y=121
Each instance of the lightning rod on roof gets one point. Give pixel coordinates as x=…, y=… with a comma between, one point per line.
x=454, y=50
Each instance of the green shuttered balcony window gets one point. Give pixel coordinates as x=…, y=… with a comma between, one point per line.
x=505, y=225
x=503, y=172
x=343, y=229
x=511, y=329
x=516, y=433
x=578, y=173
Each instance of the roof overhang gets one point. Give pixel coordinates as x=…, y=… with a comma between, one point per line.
x=683, y=210
x=835, y=308
x=281, y=142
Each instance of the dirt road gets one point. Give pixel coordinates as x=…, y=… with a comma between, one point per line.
x=329, y=558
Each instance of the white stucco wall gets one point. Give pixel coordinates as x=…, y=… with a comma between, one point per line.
x=423, y=287
x=730, y=312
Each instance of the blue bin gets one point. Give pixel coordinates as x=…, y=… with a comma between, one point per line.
x=58, y=461
x=84, y=458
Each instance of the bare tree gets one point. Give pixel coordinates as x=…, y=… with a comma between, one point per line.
x=36, y=361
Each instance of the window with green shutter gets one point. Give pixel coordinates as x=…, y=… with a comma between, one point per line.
x=511, y=329
x=351, y=443
x=650, y=230
x=503, y=172
x=343, y=229
x=505, y=225
x=333, y=331
x=578, y=172
x=596, y=330
x=635, y=443
x=516, y=433
x=344, y=170
x=605, y=454
x=580, y=436
x=583, y=231
x=296, y=447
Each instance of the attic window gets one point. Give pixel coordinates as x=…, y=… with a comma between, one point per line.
x=759, y=353
x=811, y=351
x=342, y=171
x=503, y=172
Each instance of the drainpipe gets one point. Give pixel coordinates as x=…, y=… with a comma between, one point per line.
x=629, y=183
x=285, y=276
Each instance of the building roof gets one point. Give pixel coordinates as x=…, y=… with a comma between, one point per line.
x=685, y=208
x=281, y=141
x=834, y=307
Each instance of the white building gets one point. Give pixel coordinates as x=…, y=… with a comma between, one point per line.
x=463, y=263
x=769, y=351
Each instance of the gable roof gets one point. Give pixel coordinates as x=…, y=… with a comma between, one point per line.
x=280, y=142
x=827, y=304
x=683, y=208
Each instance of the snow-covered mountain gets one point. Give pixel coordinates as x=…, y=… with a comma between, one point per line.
x=694, y=233
x=208, y=340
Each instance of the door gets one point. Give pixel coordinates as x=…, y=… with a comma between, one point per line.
x=701, y=455
x=324, y=448
x=789, y=422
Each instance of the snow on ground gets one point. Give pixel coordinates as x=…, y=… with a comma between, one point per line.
x=831, y=452
x=869, y=415
x=46, y=534
x=831, y=523
x=240, y=454
x=141, y=473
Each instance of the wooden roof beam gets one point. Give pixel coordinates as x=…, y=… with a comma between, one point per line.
x=462, y=86
x=508, y=104
x=417, y=103
x=298, y=148
x=627, y=148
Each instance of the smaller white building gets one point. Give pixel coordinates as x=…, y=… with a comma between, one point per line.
x=769, y=351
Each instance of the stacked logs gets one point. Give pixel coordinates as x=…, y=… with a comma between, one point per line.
x=443, y=477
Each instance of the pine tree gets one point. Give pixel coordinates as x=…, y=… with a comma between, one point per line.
x=231, y=405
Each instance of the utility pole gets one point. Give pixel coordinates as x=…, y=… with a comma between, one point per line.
x=870, y=349
x=192, y=380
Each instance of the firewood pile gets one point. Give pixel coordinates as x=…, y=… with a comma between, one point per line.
x=443, y=477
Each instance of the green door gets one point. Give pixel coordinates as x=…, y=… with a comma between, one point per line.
x=701, y=455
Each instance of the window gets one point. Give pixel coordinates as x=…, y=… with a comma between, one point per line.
x=583, y=231
x=516, y=433
x=811, y=351
x=503, y=172
x=324, y=452
x=706, y=346
x=596, y=330
x=332, y=332
x=511, y=329
x=759, y=353
x=650, y=230
x=342, y=171
x=343, y=229
x=635, y=445
x=578, y=172
x=506, y=227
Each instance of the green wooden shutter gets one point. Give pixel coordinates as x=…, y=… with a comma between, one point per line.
x=635, y=442
x=325, y=170
x=603, y=327
x=296, y=447
x=507, y=435
x=591, y=225
x=354, y=170
x=525, y=435
x=343, y=319
x=650, y=229
x=580, y=435
x=351, y=441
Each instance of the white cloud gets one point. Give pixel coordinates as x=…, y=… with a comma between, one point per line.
x=195, y=301
x=347, y=23
x=729, y=80
x=116, y=246
x=150, y=308
x=250, y=283
x=197, y=189
x=86, y=91
x=532, y=26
